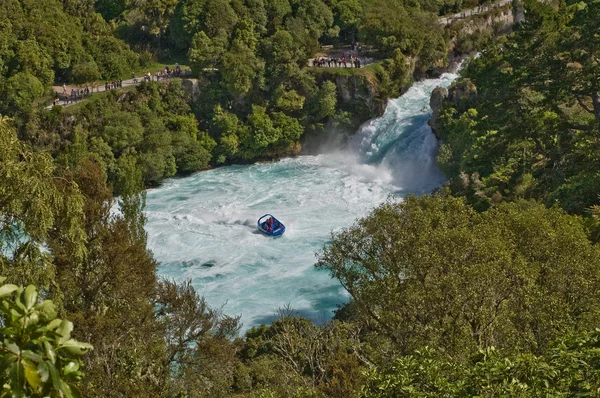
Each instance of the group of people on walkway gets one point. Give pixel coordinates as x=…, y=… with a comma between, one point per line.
x=81, y=93
x=161, y=74
x=168, y=72
x=75, y=95
x=355, y=62
x=113, y=85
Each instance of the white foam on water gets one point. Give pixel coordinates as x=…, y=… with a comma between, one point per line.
x=203, y=227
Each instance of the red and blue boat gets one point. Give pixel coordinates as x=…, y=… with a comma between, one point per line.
x=270, y=226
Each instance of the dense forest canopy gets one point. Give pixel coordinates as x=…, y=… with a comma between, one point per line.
x=46, y=41
x=259, y=99
x=488, y=288
x=524, y=120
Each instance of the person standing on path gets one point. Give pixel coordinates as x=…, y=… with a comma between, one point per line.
x=64, y=89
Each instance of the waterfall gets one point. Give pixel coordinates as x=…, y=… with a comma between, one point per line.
x=203, y=227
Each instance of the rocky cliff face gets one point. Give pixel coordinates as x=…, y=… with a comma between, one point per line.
x=464, y=33
x=192, y=86
x=436, y=101
x=359, y=90
x=501, y=20
x=359, y=94
x=472, y=34
x=459, y=93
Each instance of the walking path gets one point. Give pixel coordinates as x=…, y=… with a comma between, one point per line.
x=328, y=53
x=324, y=56
x=59, y=90
x=473, y=11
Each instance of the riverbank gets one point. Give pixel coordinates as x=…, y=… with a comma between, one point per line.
x=192, y=221
x=289, y=124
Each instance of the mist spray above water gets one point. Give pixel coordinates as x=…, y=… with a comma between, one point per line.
x=203, y=227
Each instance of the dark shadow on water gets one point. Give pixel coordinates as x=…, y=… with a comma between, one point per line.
x=319, y=318
x=416, y=192
x=321, y=312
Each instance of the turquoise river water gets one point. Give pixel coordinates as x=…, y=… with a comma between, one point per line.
x=203, y=227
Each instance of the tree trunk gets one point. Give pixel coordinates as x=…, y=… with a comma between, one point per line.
x=596, y=103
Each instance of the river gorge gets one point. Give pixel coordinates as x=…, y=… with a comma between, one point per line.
x=203, y=227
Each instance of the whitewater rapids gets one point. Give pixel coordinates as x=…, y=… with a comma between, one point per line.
x=203, y=227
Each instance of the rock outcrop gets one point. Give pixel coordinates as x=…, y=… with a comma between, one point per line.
x=357, y=92
x=192, y=86
x=360, y=91
x=436, y=101
x=501, y=20
x=463, y=90
x=460, y=94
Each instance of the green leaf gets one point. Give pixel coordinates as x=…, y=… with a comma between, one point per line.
x=6, y=290
x=75, y=393
x=18, y=304
x=46, y=308
x=65, y=389
x=44, y=371
x=54, y=324
x=32, y=319
x=30, y=296
x=17, y=379
x=31, y=355
x=12, y=347
x=32, y=376
x=65, y=329
x=6, y=361
x=75, y=347
x=54, y=376
x=50, y=352
x=71, y=367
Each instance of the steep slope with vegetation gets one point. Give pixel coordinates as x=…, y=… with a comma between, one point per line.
x=259, y=99
x=46, y=41
x=487, y=294
x=524, y=120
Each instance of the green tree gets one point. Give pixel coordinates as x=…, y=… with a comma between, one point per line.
x=85, y=73
x=186, y=22
x=34, y=199
x=39, y=357
x=219, y=18
x=240, y=68
x=109, y=292
x=526, y=127
x=122, y=130
x=21, y=90
x=198, y=347
x=262, y=133
x=347, y=15
x=277, y=10
x=570, y=368
x=205, y=53
x=323, y=103
x=110, y=9
x=483, y=279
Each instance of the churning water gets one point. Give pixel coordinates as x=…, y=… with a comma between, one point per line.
x=203, y=227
